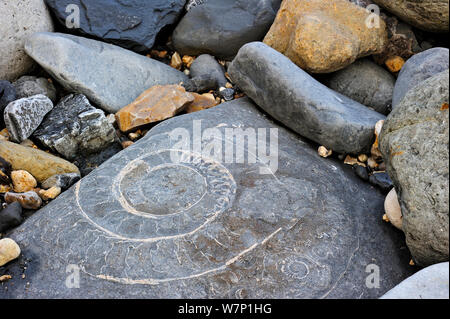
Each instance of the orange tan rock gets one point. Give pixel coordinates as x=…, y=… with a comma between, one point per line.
x=325, y=36
x=156, y=104
x=201, y=102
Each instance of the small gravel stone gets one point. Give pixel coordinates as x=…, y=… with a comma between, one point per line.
x=9, y=250
x=28, y=200
x=23, y=181
x=382, y=181
x=51, y=193
x=63, y=181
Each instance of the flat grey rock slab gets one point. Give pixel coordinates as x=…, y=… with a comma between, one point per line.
x=297, y=100
x=110, y=76
x=429, y=283
x=160, y=220
x=222, y=27
x=130, y=24
x=417, y=69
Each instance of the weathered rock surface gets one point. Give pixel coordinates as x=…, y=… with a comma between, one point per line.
x=23, y=116
x=297, y=100
x=414, y=143
x=155, y=104
x=429, y=283
x=130, y=24
x=108, y=75
x=9, y=250
x=429, y=15
x=222, y=27
x=147, y=225
x=38, y=163
x=10, y=217
x=365, y=82
x=27, y=86
x=420, y=67
x=75, y=127
x=325, y=36
x=20, y=19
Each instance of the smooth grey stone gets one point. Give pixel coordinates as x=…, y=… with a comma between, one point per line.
x=63, y=181
x=365, y=82
x=27, y=86
x=414, y=143
x=7, y=95
x=144, y=225
x=75, y=127
x=205, y=65
x=130, y=24
x=10, y=217
x=429, y=283
x=417, y=69
x=23, y=116
x=222, y=27
x=110, y=76
x=300, y=102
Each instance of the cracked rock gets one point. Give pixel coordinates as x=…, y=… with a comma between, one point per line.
x=75, y=127
x=23, y=117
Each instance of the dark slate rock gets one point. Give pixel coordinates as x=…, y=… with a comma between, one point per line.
x=201, y=84
x=297, y=100
x=429, y=283
x=88, y=162
x=417, y=69
x=130, y=24
x=75, y=127
x=144, y=225
x=222, y=27
x=414, y=143
x=27, y=86
x=205, y=65
x=10, y=217
x=382, y=181
x=365, y=82
x=227, y=94
x=110, y=76
x=361, y=172
x=23, y=116
x=63, y=181
x=7, y=95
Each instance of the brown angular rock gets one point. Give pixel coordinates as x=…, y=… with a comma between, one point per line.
x=201, y=102
x=51, y=193
x=38, y=163
x=325, y=36
x=156, y=104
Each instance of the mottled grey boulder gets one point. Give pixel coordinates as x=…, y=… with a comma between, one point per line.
x=63, y=181
x=365, y=82
x=417, y=69
x=297, y=100
x=130, y=24
x=429, y=283
x=160, y=220
x=414, y=144
x=7, y=95
x=222, y=27
x=109, y=76
x=75, y=127
x=207, y=66
x=19, y=20
x=27, y=86
x=23, y=116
